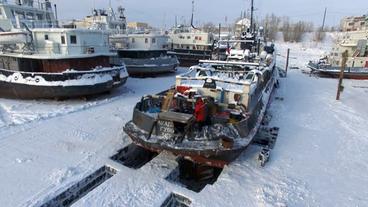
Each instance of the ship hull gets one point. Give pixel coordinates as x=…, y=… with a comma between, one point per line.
x=188, y=58
x=215, y=158
x=358, y=73
x=151, y=70
x=18, y=85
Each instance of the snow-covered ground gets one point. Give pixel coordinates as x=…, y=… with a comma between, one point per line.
x=320, y=159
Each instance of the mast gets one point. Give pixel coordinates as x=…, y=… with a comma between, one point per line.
x=251, y=16
x=324, y=20
x=192, y=19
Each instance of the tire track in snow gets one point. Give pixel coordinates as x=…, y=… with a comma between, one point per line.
x=4, y=119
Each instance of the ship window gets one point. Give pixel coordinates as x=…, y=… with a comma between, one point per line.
x=200, y=38
x=73, y=39
x=188, y=37
x=153, y=40
x=146, y=40
x=46, y=37
x=63, y=40
x=133, y=40
x=39, y=16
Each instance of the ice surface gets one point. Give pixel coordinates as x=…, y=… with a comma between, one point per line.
x=320, y=158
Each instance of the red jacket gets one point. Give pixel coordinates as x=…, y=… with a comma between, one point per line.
x=200, y=111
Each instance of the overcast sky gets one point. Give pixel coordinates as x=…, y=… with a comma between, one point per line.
x=162, y=12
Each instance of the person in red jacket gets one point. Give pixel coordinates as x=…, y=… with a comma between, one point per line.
x=200, y=112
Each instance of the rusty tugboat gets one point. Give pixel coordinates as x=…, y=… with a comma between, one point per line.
x=214, y=111
x=38, y=60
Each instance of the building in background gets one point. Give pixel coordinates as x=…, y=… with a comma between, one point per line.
x=138, y=26
x=357, y=23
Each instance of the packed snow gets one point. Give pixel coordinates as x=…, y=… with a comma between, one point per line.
x=320, y=158
x=88, y=79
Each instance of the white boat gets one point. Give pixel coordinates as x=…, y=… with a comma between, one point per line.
x=143, y=54
x=356, y=45
x=53, y=62
x=146, y=54
x=190, y=45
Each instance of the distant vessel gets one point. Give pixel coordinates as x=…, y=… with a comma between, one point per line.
x=146, y=54
x=356, y=43
x=190, y=45
x=143, y=53
x=39, y=60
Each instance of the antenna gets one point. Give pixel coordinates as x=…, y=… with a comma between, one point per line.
x=251, y=16
x=192, y=20
x=324, y=20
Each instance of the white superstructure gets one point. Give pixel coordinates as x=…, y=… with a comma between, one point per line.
x=70, y=42
x=26, y=12
x=150, y=41
x=356, y=43
x=190, y=39
x=104, y=19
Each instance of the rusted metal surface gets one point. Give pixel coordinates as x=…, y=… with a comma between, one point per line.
x=215, y=158
x=53, y=65
x=84, y=64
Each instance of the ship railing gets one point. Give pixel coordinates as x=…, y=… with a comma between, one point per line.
x=233, y=63
x=235, y=41
x=38, y=23
x=225, y=84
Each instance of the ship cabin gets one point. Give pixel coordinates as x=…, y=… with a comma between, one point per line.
x=189, y=39
x=56, y=50
x=237, y=88
x=143, y=46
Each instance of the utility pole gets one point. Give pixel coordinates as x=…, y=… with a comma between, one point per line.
x=324, y=20
x=251, y=16
x=287, y=61
x=218, y=47
x=343, y=65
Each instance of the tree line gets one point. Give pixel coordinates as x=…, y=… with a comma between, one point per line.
x=292, y=31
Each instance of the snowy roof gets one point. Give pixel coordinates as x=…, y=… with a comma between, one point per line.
x=245, y=22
